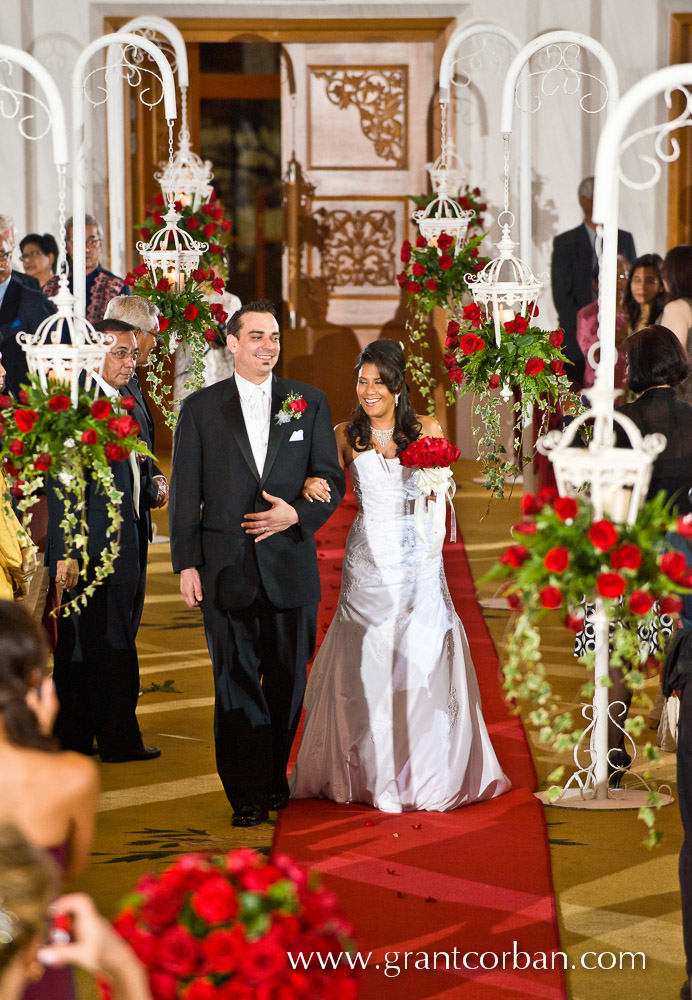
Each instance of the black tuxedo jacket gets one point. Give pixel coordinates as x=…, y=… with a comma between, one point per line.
x=149, y=488
x=27, y=280
x=22, y=310
x=215, y=482
x=571, y=273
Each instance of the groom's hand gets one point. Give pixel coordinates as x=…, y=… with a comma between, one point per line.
x=267, y=522
x=191, y=587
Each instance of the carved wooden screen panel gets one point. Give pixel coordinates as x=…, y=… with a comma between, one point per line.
x=355, y=137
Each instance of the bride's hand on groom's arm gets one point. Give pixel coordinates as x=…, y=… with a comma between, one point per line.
x=281, y=515
x=315, y=488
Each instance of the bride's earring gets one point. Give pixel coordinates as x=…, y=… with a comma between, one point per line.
x=396, y=398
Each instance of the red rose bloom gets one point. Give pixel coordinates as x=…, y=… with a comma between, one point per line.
x=163, y=986
x=6, y=401
x=158, y=219
x=124, y=426
x=164, y=323
x=199, y=275
x=223, y=949
x=456, y=375
x=263, y=959
x=550, y=597
x=557, y=367
x=683, y=526
x=145, y=233
x=200, y=989
x=453, y=330
x=556, y=560
x=297, y=405
x=402, y=278
x=191, y=224
x=534, y=366
x=17, y=447
x=9, y=466
x=158, y=198
x=163, y=285
x=405, y=254
x=25, y=420
x=140, y=270
x=516, y=555
x=610, y=585
x=525, y=528
x=129, y=279
x=685, y=579
x=517, y=325
x=431, y=284
x=470, y=343
x=556, y=338
x=670, y=605
x=530, y=504
x=58, y=403
x=210, y=335
x=89, y=436
x=208, y=230
x=17, y=490
x=23, y=397
x=100, y=408
x=602, y=534
x=574, y=623
x=178, y=953
x=421, y=242
x=43, y=461
x=444, y=241
x=473, y=315
x=640, y=602
x=219, y=285
x=418, y=270
x=115, y=452
x=127, y=402
x=513, y=599
x=444, y=262
x=226, y=225
x=627, y=556
x=494, y=381
x=673, y=565
x=566, y=508
x=413, y=287
x=215, y=901
x=548, y=495
x=191, y=312
x=451, y=343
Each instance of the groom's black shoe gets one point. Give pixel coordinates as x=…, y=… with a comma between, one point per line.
x=278, y=800
x=249, y=816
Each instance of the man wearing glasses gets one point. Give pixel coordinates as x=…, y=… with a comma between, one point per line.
x=101, y=285
x=21, y=309
x=96, y=670
x=8, y=231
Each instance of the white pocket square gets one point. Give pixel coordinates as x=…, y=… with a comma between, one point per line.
x=296, y=436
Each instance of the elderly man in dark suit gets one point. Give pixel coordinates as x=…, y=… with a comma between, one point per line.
x=8, y=232
x=242, y=539
x=21, y=309
x=96, y=669
x=572, y=275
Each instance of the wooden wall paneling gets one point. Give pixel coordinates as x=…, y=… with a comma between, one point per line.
x=680, y=171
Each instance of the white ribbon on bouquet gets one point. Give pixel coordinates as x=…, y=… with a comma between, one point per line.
x=438, y=482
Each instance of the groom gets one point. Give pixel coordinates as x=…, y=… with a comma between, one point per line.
x=242, y=539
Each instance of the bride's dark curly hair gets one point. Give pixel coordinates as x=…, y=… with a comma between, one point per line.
x=23, y=655
x=388, y=357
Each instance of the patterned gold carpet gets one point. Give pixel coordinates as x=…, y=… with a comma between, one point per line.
x=613, y=894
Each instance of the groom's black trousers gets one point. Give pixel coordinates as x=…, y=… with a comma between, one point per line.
x=260, y=655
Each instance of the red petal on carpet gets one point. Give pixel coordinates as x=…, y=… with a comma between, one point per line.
x=444, y=905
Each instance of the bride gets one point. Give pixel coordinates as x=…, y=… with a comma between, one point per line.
x=393, y=713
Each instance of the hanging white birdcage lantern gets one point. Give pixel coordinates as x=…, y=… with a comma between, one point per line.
x=65, y=348
x=443, y=214
x=185, y=177
x=171, y=252
x=455, y=170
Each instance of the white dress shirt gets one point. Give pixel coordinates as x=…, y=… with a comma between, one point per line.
x=256, y=404
x=112, y=393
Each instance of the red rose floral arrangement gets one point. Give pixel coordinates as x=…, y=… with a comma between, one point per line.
x=562, y=559
x=43, y=435
x=435, y=274
x=238, y=926
x=527, y=365
x=432, y=459
x=186, y=316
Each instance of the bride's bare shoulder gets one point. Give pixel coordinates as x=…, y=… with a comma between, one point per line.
x=429, y=426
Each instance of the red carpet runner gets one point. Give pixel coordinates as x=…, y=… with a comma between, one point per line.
x=444, y=905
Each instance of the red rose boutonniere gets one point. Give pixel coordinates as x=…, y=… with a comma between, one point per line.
x=291, y=409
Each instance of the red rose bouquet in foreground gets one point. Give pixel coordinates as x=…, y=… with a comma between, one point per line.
x=43, y=435
x=562, y=558
x=432, y=458
x=527, y=360
x=234, y=927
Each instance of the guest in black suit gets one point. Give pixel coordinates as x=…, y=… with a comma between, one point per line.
x=572, y=275
x=96, y=669
x=8, y=231
x=21, y=309
x=242, y=539
x=143, y=316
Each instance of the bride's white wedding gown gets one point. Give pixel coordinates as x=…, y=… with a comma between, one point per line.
x=393, y=712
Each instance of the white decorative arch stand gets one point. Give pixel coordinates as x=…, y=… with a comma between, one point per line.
x=151, y=28
x=119, y=66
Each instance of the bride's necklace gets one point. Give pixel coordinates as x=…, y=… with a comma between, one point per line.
x=382, y=437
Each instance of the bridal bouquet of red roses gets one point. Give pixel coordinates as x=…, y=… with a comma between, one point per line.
x=238, y=926
x=432, y=458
